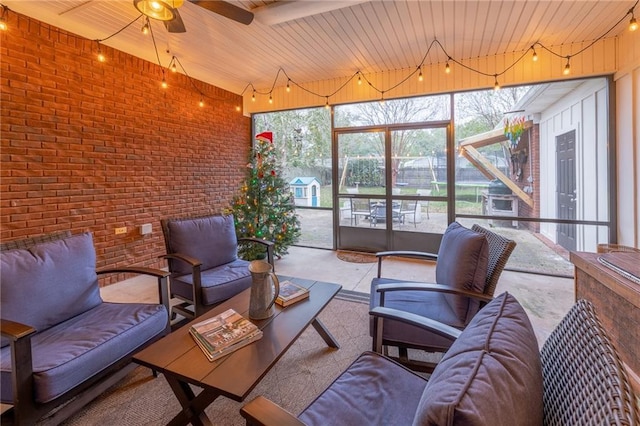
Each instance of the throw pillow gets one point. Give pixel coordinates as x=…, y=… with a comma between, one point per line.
x=491, y=375
x=462, y=264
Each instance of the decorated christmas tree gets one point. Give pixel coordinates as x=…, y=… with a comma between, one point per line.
x=265, y=207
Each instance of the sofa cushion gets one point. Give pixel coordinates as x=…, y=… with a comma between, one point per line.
x=218, y=284
x=429, y=304
x=69, y=353
x=462, y=264
x=212, y=240
x=355, y=396
x=491, y=375
x=49, y=282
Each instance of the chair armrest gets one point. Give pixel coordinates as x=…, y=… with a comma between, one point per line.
x=379, y=313
x=21, y=362
x=262, y=411
x=403, y=253
x=440, y=288
x=192, y=261
x=266, y=243
x=15, y=330
x=163, y=286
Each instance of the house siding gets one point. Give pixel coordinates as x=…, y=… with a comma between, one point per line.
x=90, y=146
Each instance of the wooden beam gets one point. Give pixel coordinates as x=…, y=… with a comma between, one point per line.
x=477, y=164
x=486, y=164
x=489, y=138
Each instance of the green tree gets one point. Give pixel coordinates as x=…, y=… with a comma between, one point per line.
x=265, y=208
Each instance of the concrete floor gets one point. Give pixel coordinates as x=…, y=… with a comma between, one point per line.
x=546, y=299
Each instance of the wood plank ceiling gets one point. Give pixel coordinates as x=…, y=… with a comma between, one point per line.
x=370, y=36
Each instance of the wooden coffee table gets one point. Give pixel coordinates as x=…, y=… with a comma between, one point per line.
x=182, y=362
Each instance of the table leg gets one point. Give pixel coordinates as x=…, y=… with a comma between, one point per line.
x=325, y=334
x=192, y=406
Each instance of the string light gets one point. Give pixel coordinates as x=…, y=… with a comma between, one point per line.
x=3, y=19
x=145, y=27
x=633, y=24
x=201, y=103
x=567, y=68
x=326, y=104
x=101, y=57
x=164, y=81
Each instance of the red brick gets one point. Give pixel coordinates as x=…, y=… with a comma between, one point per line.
x=94, y=146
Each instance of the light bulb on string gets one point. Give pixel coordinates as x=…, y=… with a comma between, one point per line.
x=201, y=103
x=496, y=85
x=420, y=76
x=164, y=84
x=174, y=67
x=534, y=58
x=447, y=68
x=3, y=19
x=633, y=24
x=288, y=86
x=270, y=98
x=253, y=97
x=326, y=104
x=567, y=68
x=145, y=28
x=359, y=79
x=101, y=56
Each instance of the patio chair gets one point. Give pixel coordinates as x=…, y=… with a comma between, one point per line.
x=360, y=207
x=202, y=254
x=469, y=263
x=408, y=208
x=424, y=203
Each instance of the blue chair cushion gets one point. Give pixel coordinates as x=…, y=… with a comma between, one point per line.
x=68, y=354
x=491, y=375
x=424, y=303
x=462, y=263
x=374, y=390
x=212, y=240
x=218, y=283
x=59, y=274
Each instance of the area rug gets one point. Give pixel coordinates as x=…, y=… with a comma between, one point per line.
x=356, y=256
x=302, y=373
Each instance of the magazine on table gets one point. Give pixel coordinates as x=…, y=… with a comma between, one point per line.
x=224, y=333
x=291, y=293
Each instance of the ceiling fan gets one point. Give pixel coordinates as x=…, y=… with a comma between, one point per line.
x=167, y=12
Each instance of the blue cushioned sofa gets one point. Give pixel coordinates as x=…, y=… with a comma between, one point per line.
x=60, y=341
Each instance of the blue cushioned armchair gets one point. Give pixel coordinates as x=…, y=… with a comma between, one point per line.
x=61, y=343
x=469, y=263
x=202, y=254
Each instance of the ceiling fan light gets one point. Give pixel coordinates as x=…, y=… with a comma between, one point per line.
x=162, y=10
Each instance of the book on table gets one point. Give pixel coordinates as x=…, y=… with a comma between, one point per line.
x=224, y=333
x=291, y=293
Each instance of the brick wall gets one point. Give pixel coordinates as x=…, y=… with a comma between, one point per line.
x=94, y=146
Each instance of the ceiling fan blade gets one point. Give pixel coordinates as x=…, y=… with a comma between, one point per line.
x=227, y=10
x=175, y=25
